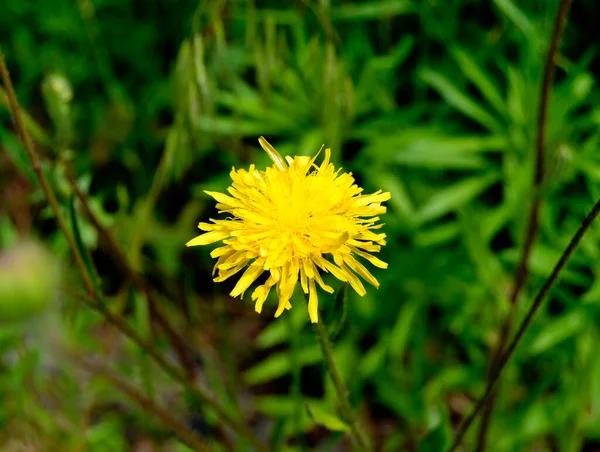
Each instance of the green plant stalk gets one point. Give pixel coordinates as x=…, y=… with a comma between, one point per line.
x=537, y=302
x=296, y=394
x=93, y=298
x=522, y=271
x=147, y=404
x=342, y=392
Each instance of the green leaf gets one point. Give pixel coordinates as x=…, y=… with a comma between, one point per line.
x=479, y=78
x=438, y=234
x=427, y=147
x=401, y=201
x=488, y=267
x=434, y=159
x=280, y=406
x=454, y=197
x=517, y=17
x=557, y=331
x=279, y=364
x=374, y=359
x=328, y=420
x=276, y=333
x=460, y=101
x=398, y=340
x=403, y=403
x=437, y=439
x=79, y=242
x=372, y=10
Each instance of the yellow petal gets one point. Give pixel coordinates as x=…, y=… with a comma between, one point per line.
x=218, y=252
x=273, y=154
x=339, y=274
x=375, y=197
x=313, y=302
x=354, y=281
x=261, y=293
x=303, y=280
x=249, y=276
x=223, y=275
x=361, y=270
x=209, y=237
x=283, y=304
x=372, y=259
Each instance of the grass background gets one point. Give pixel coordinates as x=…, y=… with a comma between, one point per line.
x=435, y=101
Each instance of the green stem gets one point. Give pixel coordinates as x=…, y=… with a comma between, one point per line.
x=296, y=393
x=359, y=437
x=537, y=302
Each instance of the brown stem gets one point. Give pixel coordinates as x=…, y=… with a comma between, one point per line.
x=138, y=281
x=522, y=272
x=178, y=344
x=147, y=404
x=37, y=167
x=126, y=329
x=537, y=302
x=93, y=298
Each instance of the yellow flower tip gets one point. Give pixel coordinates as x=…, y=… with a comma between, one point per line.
x=283, y=305
x=195, y=241
x=294, y=221
x=271, y=152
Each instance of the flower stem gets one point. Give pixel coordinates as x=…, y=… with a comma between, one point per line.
x=522, y=272
x=359, y=437
x=296, y=389
x=537, y=302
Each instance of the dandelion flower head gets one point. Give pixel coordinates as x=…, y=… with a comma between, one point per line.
x=294, y=221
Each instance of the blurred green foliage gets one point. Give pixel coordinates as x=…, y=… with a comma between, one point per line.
x=435, y=101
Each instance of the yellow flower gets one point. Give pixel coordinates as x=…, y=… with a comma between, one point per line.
x=294, y=220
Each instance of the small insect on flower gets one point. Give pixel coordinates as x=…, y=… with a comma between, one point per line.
x=294, y=221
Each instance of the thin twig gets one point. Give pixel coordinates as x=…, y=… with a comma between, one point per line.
x=184, y=433
x=127, y=330
x=93, y=299
x=114, y=248
x=522, y=272
x=37, y=167
x=537, y=302
x=359, y=437
x=138, y=281
x=34, y=129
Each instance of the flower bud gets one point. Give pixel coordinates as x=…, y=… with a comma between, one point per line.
x=29, y=278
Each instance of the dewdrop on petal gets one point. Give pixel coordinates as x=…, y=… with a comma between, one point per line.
x=294, y=221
